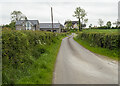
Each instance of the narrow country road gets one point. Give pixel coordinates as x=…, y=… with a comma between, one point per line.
x=77, y=65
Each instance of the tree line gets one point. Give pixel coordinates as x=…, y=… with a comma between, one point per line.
x=108, y=25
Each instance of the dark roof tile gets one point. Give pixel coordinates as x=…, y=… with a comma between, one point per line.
x=49, y=25
x=20, y=22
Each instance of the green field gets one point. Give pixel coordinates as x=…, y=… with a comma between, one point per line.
x=108, y=31
x=103, y=42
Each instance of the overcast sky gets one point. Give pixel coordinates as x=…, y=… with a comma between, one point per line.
x=62, y=10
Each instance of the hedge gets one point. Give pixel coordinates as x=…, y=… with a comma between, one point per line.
x=19, y=48
x=104, y=40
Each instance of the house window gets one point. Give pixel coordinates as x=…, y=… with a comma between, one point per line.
x=28, y=26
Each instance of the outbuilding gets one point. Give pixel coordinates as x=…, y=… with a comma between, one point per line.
x=57, y=27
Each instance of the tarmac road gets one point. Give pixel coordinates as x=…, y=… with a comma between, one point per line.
x=77, y=65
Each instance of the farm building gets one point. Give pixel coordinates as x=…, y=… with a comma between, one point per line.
x=57, y=27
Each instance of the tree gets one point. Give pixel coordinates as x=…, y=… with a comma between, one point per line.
x=80, y=14
x=100, y=22
x=90, y=25
x=117, y=23
x=69, y=24
x=85, y=21
x=109, y=24
x=17, y=15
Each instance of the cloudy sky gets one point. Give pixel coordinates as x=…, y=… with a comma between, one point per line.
x=62, y=10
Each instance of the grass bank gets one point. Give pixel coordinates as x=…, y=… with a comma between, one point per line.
x=28, y=57
x=113, y=54
x=103, y=42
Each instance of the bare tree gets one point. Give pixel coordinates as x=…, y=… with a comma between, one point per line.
x=117, y=23
x=100, y=22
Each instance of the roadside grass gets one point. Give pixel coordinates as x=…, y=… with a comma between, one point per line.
x=113, y=54
x=41, y=72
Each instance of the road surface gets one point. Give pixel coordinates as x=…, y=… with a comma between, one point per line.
x=77, y=65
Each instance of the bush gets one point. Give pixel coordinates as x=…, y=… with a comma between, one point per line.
x=10, y=26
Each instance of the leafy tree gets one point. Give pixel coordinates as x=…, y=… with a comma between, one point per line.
x=90, y=25
x=80, y=14
x=17, y=15
x=85, y=21
x=100, y=22
x=109, y=24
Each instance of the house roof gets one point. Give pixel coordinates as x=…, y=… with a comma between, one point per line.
x=34, y=22
x=49, y=25
x=73, y=22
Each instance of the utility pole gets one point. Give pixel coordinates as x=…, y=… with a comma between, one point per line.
x=52, y=18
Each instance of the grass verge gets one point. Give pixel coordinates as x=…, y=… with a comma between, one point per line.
x=42, y=71
x=113, y=54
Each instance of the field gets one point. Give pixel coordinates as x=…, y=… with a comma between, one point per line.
x=29, y=56
x=108, y=31
x=103, y=42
